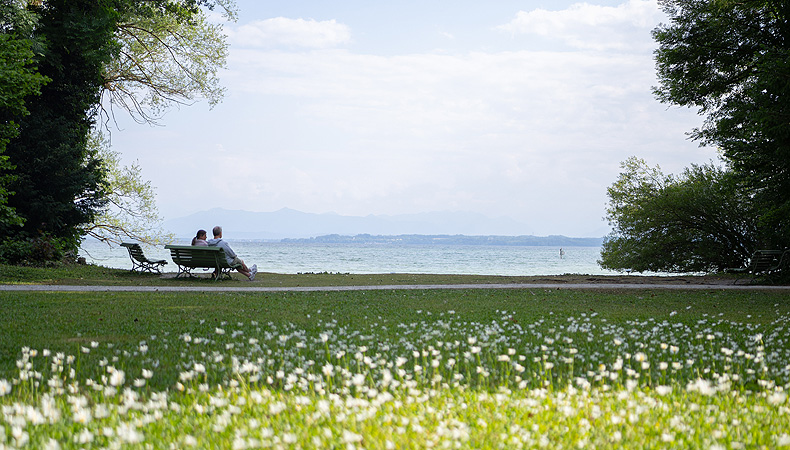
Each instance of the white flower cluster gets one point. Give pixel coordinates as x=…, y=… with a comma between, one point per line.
x=442, y=382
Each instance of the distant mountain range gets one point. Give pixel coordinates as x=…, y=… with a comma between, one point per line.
x=291, y=224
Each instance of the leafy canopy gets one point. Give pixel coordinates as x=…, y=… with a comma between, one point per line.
x=731, y=60
x=148, y=54
x=695, y=222
x=167, y=57
x=18, y=80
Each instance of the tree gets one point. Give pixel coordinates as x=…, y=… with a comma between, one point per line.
x=58, y=185
x=87, y=48
x=166, y=58
x=131, y=213
x=699, y=221
x=731, y=60
x=18, y=80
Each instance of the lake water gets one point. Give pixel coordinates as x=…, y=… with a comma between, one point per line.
x=280, y=257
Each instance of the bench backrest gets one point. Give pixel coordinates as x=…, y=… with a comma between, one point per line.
x=764, y=260
x=193, y=256
x=136, y=251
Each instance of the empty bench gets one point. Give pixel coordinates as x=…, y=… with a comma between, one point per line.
x=764, y=262
x=139, y=261
x=188, y=258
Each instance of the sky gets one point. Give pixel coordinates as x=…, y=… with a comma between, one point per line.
x=518, y=109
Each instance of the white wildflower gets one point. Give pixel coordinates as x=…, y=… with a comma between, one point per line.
x=5, y=387
x=85, y=437
x=351, y=437
x=128, y=433
x=702, y=386
x=777, y=398
x=663, y=390
x=117, y=377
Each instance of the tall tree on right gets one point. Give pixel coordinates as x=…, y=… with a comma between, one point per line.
x=731, y=60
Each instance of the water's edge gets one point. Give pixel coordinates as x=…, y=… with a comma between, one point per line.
x=290, y=257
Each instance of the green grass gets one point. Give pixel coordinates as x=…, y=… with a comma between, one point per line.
x=526, y=368
x=98, y=275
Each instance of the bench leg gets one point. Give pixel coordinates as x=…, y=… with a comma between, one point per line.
x=223, y=274
x=185, y=271
x=152, y=267
x=135, y=265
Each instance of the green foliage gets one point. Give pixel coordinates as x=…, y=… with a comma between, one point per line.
x=732, y=61
x=58, y=184
x=700, y=221
x=39, y=251
x=147, y=54
x=170, y=54
x=18, y=80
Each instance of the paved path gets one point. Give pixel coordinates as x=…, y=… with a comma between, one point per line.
x=587, y=286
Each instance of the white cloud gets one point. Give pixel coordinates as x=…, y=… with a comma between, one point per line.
x=592, y=27
x=499, y=133
x=282, y=31
x=426, y=95
x=536, y=134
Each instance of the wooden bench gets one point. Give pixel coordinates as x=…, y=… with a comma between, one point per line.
x=140, y=261
x=188, y=258
x=763, y=263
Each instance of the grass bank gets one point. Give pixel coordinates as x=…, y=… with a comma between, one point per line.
x=527, y=368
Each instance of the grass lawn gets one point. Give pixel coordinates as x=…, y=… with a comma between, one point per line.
x=98, y=275
x=526, y=368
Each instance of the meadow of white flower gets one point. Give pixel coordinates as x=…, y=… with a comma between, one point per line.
x=440, y=382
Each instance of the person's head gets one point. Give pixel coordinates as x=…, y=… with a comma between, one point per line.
x=217, y=231
x=200, y=236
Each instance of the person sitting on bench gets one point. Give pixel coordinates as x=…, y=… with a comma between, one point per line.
x=233, y=259
x=200, y=239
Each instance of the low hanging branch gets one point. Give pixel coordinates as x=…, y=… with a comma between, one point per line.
x=164, y=61
x=131, y=213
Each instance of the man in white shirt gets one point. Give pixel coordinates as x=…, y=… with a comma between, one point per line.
x=230, y=255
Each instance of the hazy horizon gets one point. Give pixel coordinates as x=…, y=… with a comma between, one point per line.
x=290, y=223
